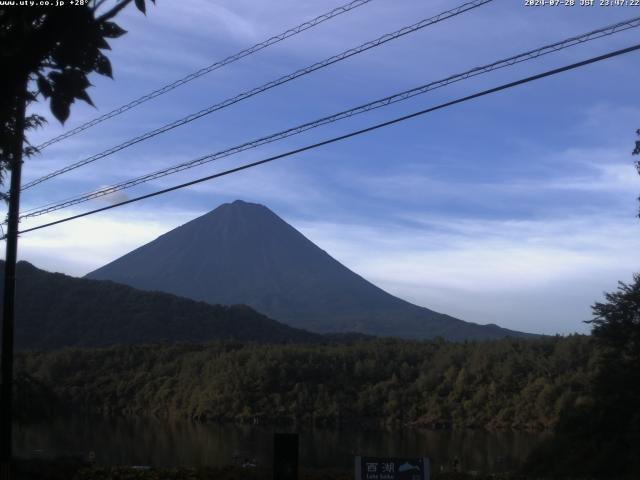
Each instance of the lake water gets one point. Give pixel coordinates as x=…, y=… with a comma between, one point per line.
x=171, y=444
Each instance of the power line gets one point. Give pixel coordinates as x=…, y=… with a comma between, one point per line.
x=529, y=55
x=532, y=54
x=267, y=86
x=203, y=71
x=505, y=86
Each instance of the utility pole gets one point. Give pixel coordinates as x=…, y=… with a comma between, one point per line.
x=8, y=307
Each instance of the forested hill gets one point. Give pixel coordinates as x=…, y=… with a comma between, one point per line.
x=501, y=384
x=55, y=310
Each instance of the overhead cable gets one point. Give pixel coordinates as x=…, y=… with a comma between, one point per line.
x=505, y=86
x=203, y=71
x=267, y=86
x=529, y=55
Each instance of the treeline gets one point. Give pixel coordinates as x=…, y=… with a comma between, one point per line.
x=510, y=383
x=600, y=437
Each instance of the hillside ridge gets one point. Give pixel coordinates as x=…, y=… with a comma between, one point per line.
x=54, y=310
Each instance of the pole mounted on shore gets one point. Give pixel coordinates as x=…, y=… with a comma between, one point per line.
x=9, y=289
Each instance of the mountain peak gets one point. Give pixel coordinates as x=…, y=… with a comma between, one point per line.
x=242, y=252
x=237, y=208
x=241, y=204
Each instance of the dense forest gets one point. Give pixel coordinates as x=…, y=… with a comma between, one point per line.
x=600, y=438
x=510, y=383
x=586, y=389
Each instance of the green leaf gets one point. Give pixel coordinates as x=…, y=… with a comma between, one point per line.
x=102, y=43
x=60, y=108
x=30, y=151
x=112, y=30
x=55, y=76
x=34, y=121
x=68, y=83
x=141, y=6
x=84, y=96
x=103, y=66
x=44, y=86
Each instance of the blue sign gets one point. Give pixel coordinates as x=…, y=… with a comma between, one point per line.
x=379, y=468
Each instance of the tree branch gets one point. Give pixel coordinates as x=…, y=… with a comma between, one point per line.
x=113, y=12
x=97, y=4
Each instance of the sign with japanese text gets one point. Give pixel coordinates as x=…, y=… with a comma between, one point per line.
x=378, y=468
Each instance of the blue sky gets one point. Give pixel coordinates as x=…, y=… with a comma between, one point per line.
x=517, y=208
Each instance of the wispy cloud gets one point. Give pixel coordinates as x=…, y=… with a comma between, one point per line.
x=509, y=269
x=82, y=245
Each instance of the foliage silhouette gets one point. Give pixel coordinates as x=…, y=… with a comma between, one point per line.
x=50, y=51
x=600, y=437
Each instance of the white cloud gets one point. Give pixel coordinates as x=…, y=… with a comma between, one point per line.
x=597, y=170
x=82, y=245
x=537, y=275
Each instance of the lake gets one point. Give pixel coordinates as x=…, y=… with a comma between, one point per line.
x=124, y=441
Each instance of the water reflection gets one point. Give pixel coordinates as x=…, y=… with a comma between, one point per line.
x=167, y=444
